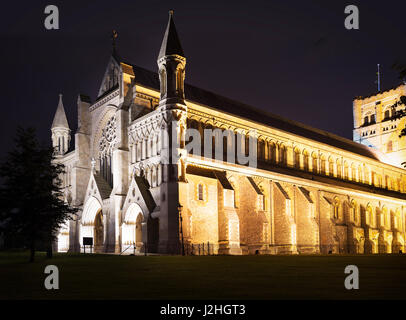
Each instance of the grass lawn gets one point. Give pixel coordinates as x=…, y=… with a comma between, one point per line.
x=202, y=277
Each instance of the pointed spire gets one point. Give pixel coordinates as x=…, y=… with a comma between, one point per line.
x=60, y=120
x=170, y=43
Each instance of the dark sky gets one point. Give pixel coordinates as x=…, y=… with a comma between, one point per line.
x=292, y=58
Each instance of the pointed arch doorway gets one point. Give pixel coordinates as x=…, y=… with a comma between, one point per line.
x=92, y=224
x=131, y=230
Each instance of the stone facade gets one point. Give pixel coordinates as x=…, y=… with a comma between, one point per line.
x=374, y=127
x=311, y=191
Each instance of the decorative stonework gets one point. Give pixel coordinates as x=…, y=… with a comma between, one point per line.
x=103, y=101
x=108, y=138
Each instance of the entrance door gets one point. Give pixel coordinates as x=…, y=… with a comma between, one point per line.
x=98, y=232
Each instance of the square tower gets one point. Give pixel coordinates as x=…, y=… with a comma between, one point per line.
x=374, y=127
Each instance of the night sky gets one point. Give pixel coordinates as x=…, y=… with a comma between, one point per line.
x=292, y=58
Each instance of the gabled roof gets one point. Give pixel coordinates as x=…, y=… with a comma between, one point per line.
x=113, y=63
x=60, y=120
x=150, y=79
x=170, y=43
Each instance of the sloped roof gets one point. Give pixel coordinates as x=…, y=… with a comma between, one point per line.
x=84, y=98
x=143, y=186
x=254, y=185
x=60, y=120
x=170, y=43
x=285, y=194
x=103, y=186
x=306, y=193
x=210, y=173
x=222, y=177
x=150, y=79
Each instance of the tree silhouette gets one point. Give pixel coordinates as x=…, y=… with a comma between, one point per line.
x=31, y=198
x=400, y=113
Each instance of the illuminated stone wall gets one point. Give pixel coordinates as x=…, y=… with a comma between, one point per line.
x=383, y=133
x=200, y=217
x=294, y=219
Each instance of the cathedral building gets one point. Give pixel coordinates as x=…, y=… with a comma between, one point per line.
x=140, y=189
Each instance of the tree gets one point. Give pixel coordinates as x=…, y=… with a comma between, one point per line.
x=397, y=114
x=31, y=197
x=400, y=113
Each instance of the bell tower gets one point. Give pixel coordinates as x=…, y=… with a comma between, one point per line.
x=60, y=130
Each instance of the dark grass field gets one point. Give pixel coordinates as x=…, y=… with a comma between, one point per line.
x=202, y=277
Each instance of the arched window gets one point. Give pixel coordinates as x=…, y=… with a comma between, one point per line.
x=388, y=182
x=200, y=192
x=154, y=177
x=133, y=151
x=396, y=185
x=376, y=179
x=386, y=215
x=359, y=176
x=367, y=176
x=314, y=162
x=149, y=147
x=339, y=169
x=159, y=174
x=353, y=172
x=272, y=151
x=370, y=216
x=323, y=164
x=297, y=158
x=386, y=115
x=247, y=144
x=331, y=167
x=162, y=76
x=282, y=155
x=261, y=149
x=144, y=149
x=179, y=76
x=305, y=160
x=346, y=170
x=396, y=220
x=138, y=152
x=146, y=175
x=226, y=143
